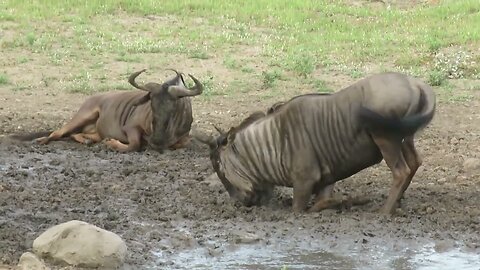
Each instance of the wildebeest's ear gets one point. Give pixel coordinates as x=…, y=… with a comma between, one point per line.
x=142, y=100
x=230, y=135
x=177, y=79
x=204, y=138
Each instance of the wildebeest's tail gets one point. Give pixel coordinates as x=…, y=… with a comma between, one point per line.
x=405, y=126
x=30, y=136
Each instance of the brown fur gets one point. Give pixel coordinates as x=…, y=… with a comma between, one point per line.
x=313, y=141
x=160, y=115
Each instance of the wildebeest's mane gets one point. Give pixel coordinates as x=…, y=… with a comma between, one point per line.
x=309, y=94
x=245, y=123
x=279, y=104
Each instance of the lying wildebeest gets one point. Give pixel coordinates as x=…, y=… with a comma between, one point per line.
x=313, y=141
x=162, y=117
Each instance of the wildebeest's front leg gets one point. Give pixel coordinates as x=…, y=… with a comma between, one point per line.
x=325, y=200
x=182, y=142
x=391, y=149
x=305, y=174
x=134, y=136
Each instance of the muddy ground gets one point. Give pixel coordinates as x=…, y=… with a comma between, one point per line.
x=172, y=216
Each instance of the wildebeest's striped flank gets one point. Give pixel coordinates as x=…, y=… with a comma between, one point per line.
x=313, y=141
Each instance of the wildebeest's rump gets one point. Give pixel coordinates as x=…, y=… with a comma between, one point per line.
x=160, y=114
x=312, y=141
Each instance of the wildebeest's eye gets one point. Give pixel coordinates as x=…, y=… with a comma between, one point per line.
x=222, y=140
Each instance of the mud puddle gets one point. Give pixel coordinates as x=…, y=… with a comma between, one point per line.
x=284, y=255
x=172, y=216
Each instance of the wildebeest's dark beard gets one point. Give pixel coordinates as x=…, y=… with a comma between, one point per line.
x=159, y=137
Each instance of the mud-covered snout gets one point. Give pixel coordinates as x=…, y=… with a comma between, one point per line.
x=251, y=198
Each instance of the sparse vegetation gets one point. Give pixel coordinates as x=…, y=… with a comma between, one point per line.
x=298, y=39
x=3, y=79
x=230, y=63
x=81, y=83
x=321, y=86
x=128, y=58
x=269, y=78
x=436, y=78
x=303, y=64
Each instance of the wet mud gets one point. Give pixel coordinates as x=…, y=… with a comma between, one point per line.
x=173, y=215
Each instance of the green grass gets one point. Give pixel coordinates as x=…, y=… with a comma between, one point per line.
x=451, y=94
x=270, y=77
x=128, y=58
x=298, y=37
x=321, y=86
x=4, y=79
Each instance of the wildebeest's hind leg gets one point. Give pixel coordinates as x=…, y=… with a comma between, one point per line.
x=413, y=160
x=391, y=148
x=86, y=138
x=85, y=115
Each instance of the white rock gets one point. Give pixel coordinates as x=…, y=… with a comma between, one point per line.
x=29, y=261
x=471, y=164
x=213, y=180
x=81, y=244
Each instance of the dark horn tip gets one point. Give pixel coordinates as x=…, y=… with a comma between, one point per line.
x=174, y=70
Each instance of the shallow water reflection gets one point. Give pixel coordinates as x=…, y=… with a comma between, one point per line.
x=260, y=256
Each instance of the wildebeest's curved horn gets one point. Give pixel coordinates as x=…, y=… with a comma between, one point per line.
x=181, y=91
x=132, y=78
x=174, y=80
x=219, y=130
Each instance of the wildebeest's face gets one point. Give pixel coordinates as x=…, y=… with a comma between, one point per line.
x=247, y=194
x=163, y=101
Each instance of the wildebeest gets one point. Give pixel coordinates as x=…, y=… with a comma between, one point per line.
x=312, y=141
x=162, y=117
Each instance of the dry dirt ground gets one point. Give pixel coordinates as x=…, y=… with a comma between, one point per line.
x=170, y=213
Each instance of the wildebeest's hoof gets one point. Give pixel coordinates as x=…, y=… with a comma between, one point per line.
x=386, y=211
x=42, y=140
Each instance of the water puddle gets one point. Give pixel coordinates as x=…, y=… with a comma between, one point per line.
x=429, y=259
x=285, y=255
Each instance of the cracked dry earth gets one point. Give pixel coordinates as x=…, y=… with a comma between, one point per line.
x=173, y=216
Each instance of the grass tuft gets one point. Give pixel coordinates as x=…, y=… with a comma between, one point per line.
x=436, y=78
x=4, y=79
x=269, y=78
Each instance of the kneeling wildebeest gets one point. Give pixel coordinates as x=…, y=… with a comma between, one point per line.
x=162, y=117
x=312, y=141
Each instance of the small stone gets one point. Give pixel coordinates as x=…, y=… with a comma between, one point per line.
x=246, y=238
x=29, y=261
x=471, y=164
x=213, y=180
x=442, y=180
x=454, y=140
